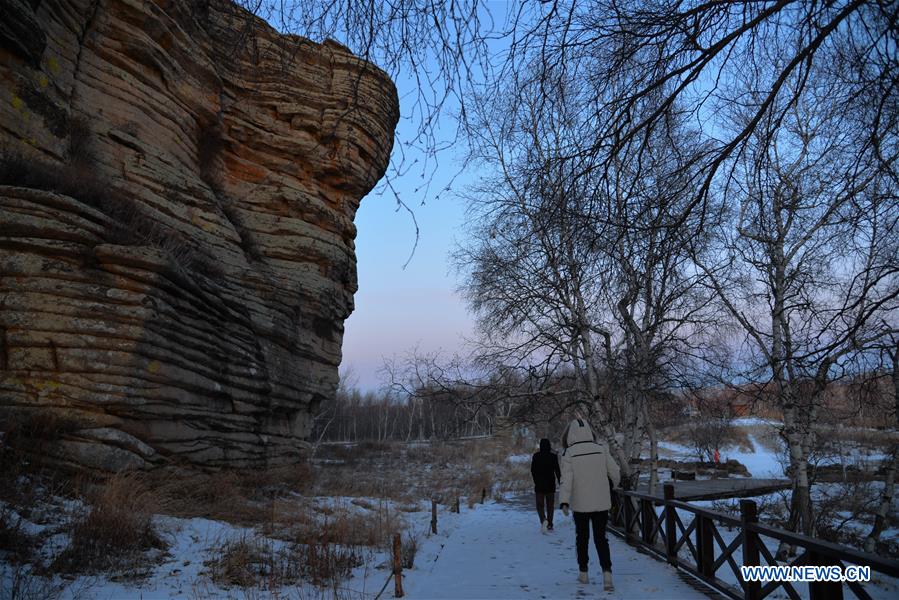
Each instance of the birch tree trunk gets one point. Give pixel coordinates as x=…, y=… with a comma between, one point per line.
x=889, y=484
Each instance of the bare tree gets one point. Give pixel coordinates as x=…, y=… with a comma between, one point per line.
x=569, y=271
x=630, y=65
x=882, y=512
x=710, y=426
x=805, y=262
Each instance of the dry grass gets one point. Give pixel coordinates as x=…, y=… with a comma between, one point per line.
x=250, y=560
x=253, y=561
x=337, y=523
x=295, y=534
x=27, y=437
x=364, y=472
x=15, y=542
x=115, y=531
x=373, y=529
x=22, y=582
x=408, y=550
x=444, y=471
x=27, y=477
x=244, y=497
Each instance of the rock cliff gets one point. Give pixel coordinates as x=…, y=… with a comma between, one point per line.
x=177, y=192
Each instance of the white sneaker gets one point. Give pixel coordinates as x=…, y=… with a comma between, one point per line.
x=542, y=526
x=582, y=577
x=607, y=581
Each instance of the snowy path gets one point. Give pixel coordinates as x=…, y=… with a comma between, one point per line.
x=497, y=551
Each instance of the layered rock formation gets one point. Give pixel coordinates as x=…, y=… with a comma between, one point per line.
x=177, y=195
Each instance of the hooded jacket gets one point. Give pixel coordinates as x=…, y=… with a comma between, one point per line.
x=587, y=467
x=545, y=468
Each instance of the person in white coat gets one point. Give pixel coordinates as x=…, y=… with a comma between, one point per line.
x=587, y=470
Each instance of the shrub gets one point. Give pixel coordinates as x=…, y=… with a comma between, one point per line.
x=251, y=561
x=15, y=543
x=241, y=497
x=408, y=551
x=117, y=529
x=23, y=451
x=327, y=563
x=247, y=561
x=22, y=582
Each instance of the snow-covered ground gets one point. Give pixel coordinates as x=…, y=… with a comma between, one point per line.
x=496, y=550
x=520, y=459
x=184, y=570
x=493, y=550
x=761, y=462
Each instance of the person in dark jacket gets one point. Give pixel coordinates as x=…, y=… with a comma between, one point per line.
x=545, y=471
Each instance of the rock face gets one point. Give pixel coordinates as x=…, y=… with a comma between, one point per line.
x=177, y=195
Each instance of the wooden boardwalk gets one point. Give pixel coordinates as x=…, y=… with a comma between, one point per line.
x=719, y=489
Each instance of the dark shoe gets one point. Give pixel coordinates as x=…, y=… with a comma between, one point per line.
x=549, y=526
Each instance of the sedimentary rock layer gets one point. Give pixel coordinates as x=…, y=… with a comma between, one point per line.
x=177, y=196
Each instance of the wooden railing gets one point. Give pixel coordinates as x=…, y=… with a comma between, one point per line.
x=698, y=546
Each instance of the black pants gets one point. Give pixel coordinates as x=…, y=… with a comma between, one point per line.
x=545, y=506
x=582, y=522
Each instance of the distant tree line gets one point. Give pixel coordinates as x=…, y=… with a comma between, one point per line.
x=357, y=416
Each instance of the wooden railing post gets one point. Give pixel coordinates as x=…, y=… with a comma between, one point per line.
x=433, y=516
x=705, y=546
x=823, y=590
x=628, y=515
x=752, y=590
x=648, y=512
x=397, y=566
x=670, y=524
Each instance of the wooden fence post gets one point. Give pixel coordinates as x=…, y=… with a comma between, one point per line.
x=397, y=566
x=628, y=515
x=649, y=515
x=823, y=590
x=433, y=516
x=752, y=590
x=483, y=495
x=670, y=524
x=705, y=546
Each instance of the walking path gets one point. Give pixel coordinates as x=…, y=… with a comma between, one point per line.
x=496, y=550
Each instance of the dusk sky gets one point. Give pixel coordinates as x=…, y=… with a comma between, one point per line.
x=417, y=308
x=399, y=310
